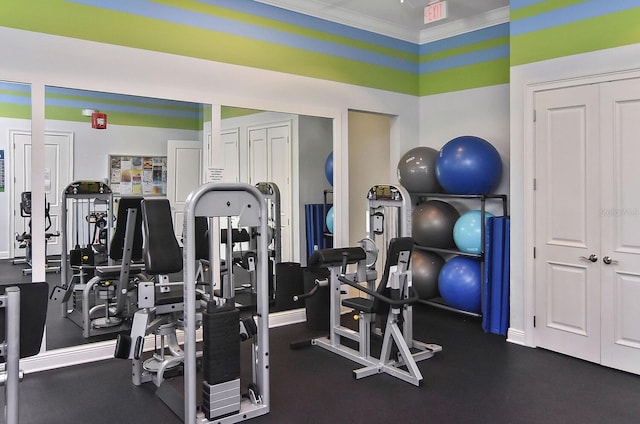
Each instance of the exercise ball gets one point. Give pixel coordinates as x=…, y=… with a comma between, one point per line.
x=328, y=168
x=425, y=268
x=416, y=170
x=468, y=165
x=329, y=220
x=432, y=224
x=459, y=283
x=467, y=232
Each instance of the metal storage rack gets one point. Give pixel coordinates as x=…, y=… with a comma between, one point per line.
x=482, y=198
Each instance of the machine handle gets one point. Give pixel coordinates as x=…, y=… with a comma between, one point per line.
x=401, y=302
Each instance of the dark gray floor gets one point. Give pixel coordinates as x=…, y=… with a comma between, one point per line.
x=478, y=378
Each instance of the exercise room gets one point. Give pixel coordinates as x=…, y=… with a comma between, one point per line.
x=314, y=211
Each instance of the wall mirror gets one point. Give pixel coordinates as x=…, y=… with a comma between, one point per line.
x=122, y=142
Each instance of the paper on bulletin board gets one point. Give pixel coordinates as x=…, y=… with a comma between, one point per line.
x=138, y=175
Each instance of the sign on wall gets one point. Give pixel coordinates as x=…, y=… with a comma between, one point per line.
x=138, y=175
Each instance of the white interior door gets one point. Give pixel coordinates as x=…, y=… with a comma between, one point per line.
x=567, y=222
x=620, y=215
x=270, y=160
x=587, y=266
x=184, y=174
x=58, y=174
x=231, y=145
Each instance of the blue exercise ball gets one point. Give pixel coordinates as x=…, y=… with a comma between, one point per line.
x=459, y=283
x=417, y=170
x=467, y=232
x=329, y=220
x=468, y=165
x=328, y=168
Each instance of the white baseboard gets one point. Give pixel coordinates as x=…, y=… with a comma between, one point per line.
x=100, y=351
x=516, y=336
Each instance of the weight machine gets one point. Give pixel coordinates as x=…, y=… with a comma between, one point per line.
x=391, y=300
x=222, y=401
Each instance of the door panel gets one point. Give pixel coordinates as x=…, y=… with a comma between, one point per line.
x=184, y=174
x=58, y=174
x=231, y=143
x=567, y=222
x=620, y=110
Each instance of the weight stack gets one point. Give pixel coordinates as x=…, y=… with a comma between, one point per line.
x=220, y=360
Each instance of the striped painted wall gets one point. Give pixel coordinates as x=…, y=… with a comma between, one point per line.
x=232, y=31
x=67, y=104
x=475, y=59
x=15, y=100
x=542, y=30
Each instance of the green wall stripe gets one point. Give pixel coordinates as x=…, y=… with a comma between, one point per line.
x=542, y=7
x=12, y=110
x=482, y=45
x=234, y=112
x=147, y=105
x=283, y=26
x=483, y=74
x=603, y=32
x=119, y=118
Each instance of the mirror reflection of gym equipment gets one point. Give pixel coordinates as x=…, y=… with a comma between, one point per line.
x=24, y=239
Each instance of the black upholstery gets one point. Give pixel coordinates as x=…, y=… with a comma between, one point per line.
x=33, y=313
x=202, y=238
x=116, y=248
x=237, y=235
x=396, y=246
x=162, y=253
x=333, y=257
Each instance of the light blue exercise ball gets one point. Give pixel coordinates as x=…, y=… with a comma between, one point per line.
x=329, y=220
x=467, y=231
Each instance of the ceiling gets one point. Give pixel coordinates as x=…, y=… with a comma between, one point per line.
x=403, y=19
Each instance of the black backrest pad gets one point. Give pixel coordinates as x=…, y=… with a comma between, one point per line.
x=202, y=237
x=116, y=248
x=335, y=257
x=33, y=313
x=162, y=253
x=396, y=245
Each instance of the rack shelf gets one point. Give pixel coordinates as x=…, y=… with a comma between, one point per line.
x=439, y=302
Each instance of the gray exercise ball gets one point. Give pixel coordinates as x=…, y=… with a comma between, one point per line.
x=417, y=170
x=425, y=268
x=432, y=224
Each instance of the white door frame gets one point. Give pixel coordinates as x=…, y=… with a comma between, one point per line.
x=12, y=154
x=527, y=337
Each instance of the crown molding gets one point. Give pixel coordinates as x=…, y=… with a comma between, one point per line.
x=346, y=17
x=462, y=26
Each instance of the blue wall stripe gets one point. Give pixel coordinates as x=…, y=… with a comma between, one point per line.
x=25, y=88
x=569, y=14
x=470, y=58
x=17, y=100
x=484, y=34
x=212, y=23
x=519, y=4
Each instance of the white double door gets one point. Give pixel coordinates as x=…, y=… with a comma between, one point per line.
x=270, y=161
x=587, y=222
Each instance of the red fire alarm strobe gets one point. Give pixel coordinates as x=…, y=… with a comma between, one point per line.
x=99, y=120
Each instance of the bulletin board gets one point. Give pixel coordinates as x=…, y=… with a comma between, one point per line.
x=138, y=175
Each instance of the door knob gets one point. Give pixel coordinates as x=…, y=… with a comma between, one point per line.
x=592, y=257
x=607, y=260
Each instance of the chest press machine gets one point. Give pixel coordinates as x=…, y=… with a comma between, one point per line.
x=391, y=300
